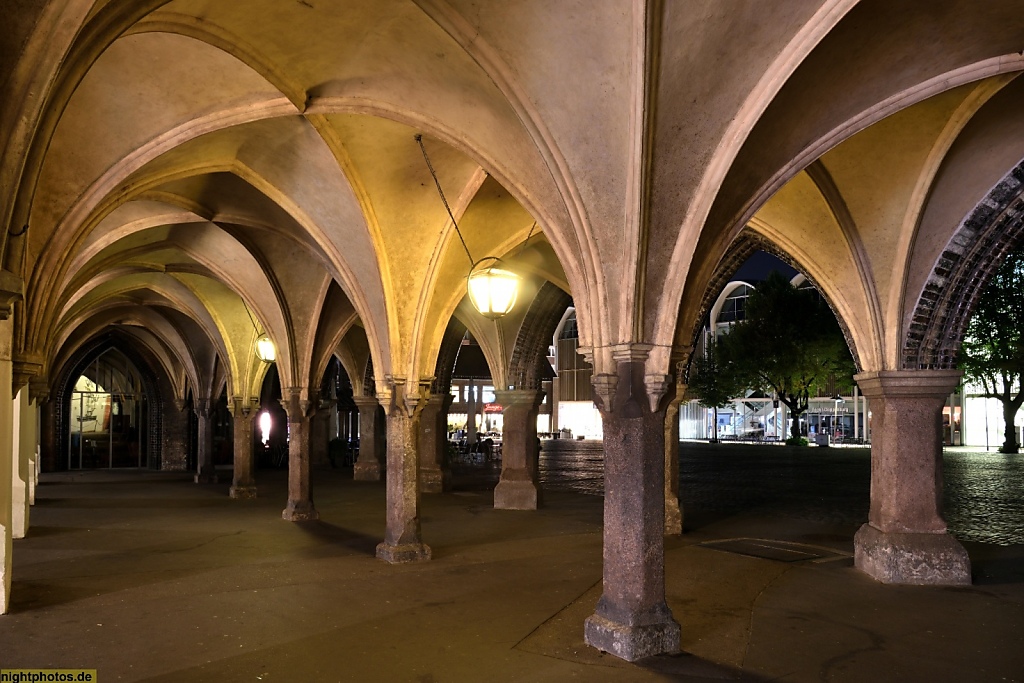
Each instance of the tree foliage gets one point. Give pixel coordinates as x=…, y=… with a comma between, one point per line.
x=789, y=343
x=992, y=353
x=712, y=381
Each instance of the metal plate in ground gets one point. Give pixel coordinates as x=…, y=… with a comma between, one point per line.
x=769, y=549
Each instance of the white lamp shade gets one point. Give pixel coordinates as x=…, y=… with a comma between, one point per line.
x=265, y=350
x=493, y=291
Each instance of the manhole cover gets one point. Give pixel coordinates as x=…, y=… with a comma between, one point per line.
x=768, y=549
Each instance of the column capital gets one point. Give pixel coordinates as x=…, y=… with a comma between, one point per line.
x=39, y=389
x=632, y=385
x=365, y=402
x=202, y=406
x=25, y=367
x=296, y=404
x=12, y=288
x=438, y=402
x=908, y=383
x=519, y=397
x=407, y=395
x=243, y=407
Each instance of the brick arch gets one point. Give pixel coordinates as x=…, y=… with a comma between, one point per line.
x=530, y=351
x=157, y=400
x=978, y=247
x=447, y=355
x=746, y=243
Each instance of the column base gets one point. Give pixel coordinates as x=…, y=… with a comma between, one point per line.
x=242, y=492
x=909, y=558
x=403, y=552
x=206, y=478
x=673, y=518
x=367, y=471
x=434, y=481
x=300, y=512
x=516, y=495
x=631, y=642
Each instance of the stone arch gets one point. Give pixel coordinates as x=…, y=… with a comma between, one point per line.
x=741, y=249
x=974, y=252
x=155, y=405
x=535, y=335
x=447, y=355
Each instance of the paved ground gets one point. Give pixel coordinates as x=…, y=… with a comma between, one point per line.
x=148, y=577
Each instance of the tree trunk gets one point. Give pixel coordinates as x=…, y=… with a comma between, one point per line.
x=714, y=433
x=794, y=430
x=1010, y=444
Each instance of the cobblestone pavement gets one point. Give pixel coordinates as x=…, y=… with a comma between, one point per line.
x=983, y=497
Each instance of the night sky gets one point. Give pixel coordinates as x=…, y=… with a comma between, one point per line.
x=757, y=267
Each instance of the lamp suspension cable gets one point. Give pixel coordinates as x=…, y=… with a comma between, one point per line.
x=251, y=319
x=440, y=192
x=522, y=248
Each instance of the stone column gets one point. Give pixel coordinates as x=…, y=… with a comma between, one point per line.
x=39, y=396
x=300, y=494
x=472, y=394
x=22, y=445
x=6, y=460
x=673, y=512
x=519, y=486
x=632, y=619
x=243, y=414
x=435, y=475
x=319, y=440
x=49, y=458
x=370, y=466
x=553, y=397
x=206, y=473
x=905, y=539
x=402, y=542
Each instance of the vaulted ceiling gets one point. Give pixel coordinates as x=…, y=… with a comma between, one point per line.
x=202, y=171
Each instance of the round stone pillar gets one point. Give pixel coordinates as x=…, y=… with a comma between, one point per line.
x=435, y=475
x=673, y=512
x=300, y=493
x=519, y=486
x=370, y=465
x=243, y=483
x=206, y=473
x=905, y=539
x=402, y=542
x=632, y=619
x=6, y=460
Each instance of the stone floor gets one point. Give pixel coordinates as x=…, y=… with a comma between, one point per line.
x=148, y=577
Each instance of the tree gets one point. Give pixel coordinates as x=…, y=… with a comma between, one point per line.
x=714, y=383
x=789, y=342
x=992, y=353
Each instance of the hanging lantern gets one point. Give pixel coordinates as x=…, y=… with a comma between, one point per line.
x=492, y=290
x=265, y=350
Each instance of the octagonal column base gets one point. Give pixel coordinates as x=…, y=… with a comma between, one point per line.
x=300, y=512
x=242, y=492
x=911, y=558
x=434, y=481
x=632, y=642
x=206, y=477
x=515, y=495
x=402, y=553
x=367, y=471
